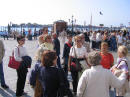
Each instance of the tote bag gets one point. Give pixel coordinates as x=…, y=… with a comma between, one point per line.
x=12, y=62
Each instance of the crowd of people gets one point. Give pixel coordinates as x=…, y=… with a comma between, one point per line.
x=113, y=38
x=87, y=56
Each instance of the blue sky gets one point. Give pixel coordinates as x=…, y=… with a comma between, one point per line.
x=114, y=12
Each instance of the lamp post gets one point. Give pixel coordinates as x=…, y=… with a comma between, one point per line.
x=72, y=22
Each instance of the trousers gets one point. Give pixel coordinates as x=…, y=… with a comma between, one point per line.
x=2, y=74
x=21, y=74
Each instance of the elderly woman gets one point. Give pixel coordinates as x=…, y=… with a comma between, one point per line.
x=95, y=81
x=122, y=65
x=85, y=44
x=77, y=53
x=47, y=42
x=107, y=58
x=46, y=45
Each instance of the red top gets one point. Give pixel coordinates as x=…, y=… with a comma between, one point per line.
x=107, y=60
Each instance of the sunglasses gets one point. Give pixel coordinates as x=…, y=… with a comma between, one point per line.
x=78, y=41
x=22, y=40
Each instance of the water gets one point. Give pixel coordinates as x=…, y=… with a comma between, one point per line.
x=18, y=29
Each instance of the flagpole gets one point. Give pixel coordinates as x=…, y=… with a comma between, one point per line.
x=91, y=19
x=91, y=22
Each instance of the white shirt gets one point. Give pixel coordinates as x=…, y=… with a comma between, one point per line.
x=120, y=39
x=98, y=37
x=95, y=82
x=80, y=52
x=22, y=52
x=93, y=37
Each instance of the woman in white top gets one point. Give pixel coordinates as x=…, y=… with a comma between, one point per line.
x=77, y=52
x=95, y=82
x=19, y=52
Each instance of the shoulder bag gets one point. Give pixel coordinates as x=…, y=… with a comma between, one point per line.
x=75, y=64
x=12, y=62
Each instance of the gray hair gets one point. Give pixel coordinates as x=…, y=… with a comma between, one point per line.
x=81, y=35
x=94, y=58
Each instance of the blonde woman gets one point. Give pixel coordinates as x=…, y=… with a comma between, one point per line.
x=122, y=66
x=47, y=42
x=46, y=45
x=77, y=52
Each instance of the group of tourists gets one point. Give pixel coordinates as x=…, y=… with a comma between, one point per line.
x=91, y=66
x=113, y=38
x=30, y=35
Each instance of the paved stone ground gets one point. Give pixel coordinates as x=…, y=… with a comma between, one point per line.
x=10, y=74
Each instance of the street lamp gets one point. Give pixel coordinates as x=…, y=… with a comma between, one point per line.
x=72, y=22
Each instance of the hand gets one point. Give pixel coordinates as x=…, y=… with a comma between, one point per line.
x=68, y=68
x=126, y=72
x=114, y=69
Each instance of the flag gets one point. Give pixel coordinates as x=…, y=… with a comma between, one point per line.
x=101, y=13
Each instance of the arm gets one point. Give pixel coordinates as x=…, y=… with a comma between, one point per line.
x=40, y=39
x=17, y=55
x=86, y=58
x=54, y=43
x=112, y=60
x=82, y=84
x=70, y=58
x=69, y=62
x=117, y=82
x=64, y=50
x=33, y=75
